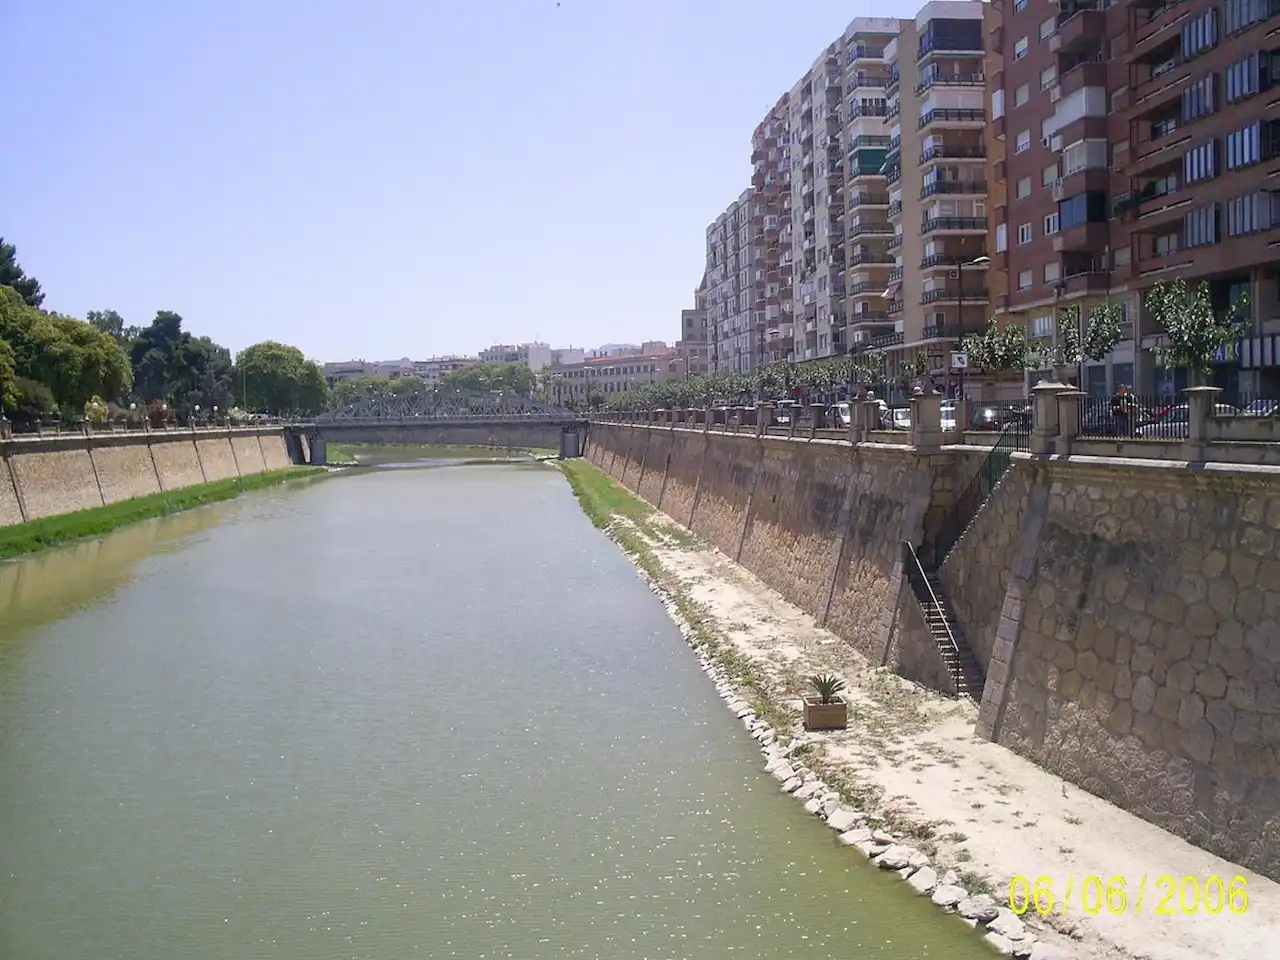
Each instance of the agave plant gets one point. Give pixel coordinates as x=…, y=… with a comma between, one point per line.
x=827, y=686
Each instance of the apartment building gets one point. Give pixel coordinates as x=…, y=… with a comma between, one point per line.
x=433, y=368
x=839, y=199
x=534, y=355
x=692, y=350
x=728, y=288
x=938, y=196
x=772, y=266
x=1141, y=150
x=603, y=377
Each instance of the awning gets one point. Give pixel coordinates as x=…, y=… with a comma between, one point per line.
x=891, y=291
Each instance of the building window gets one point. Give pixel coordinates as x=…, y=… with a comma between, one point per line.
x=1020, y=48
x=1048, y=175
x=1025, y=234
x=1048, y=77
x=1252, y=213
x=1240, y=15
x=1024, y=142
x=1201, y=227
x=1048, y=28
x=1025, y=279
x=1081, y=209
x=1024, y=188
x=1019, y=5
x=1248, y=77
x=1199, y=99
x=1021, y=95
x=1200, y=162
x=1002, y=237
x=1200, y=34
x=1251, y=145
x=1051, y=272
x=1042, y=326
x=1050, y=224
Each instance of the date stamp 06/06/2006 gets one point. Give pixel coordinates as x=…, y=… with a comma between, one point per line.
x=1164, y=895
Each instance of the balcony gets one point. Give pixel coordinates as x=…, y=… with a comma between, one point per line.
x=895, y=306
x=949, y=48
x=862, y=52
x=868, y=200
x=870, y=230
x=884, y=340
x=895, y=274
x=1086, y=180
x=950, y=261
x=944, y=295
x=866, y=288
x=866, y=81
x=947, y=152
x=867, y=257
x=1090, y=73
x=952, y=80
x=1090, y=281
x=868, y=316
x=1081, y=30
x=895, y=241
x=953, y=117
x=944, y=225
x=895, y=209
x=944, y=331
x=1157, y=30
x=962, y=188
x=1090, y=235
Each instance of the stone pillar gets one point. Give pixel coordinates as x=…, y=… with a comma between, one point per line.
x=1044, y=415
x=319, y=451
x=740, y=417
x=1200, y=404
x=857, y=414
x=764, y=417
x=870, y=416
x=926, y=421
x=964, y=417
x=817, y=418
x=1070, y=403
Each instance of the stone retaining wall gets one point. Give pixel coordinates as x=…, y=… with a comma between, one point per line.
x=1127, y=612
x=43, y=477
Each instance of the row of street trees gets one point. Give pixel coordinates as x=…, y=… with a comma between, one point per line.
x=1193, y=334
x=54, y=365
x=514, y=379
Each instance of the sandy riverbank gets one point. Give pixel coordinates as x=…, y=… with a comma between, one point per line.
x=910, y=765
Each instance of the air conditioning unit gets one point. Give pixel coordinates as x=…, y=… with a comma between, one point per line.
x=1055, y=93
x=1046, y=142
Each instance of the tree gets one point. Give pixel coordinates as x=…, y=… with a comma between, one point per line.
x=8, y=377
x=1001, y=349
x=112, y=324
x=513, y=378
x=278, y=378
x=1194, y=331
x=11, y=275
x=1083, y=340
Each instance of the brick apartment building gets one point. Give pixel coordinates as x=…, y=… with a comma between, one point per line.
x=1137, y=143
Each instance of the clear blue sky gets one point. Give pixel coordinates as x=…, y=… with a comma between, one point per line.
x=389, y=177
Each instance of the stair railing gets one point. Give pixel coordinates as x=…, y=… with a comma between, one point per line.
x=917, y=578
x=994, y=465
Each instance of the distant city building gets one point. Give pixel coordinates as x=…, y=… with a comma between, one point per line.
x=567, y=355
x=692, y=347
x=613, y=374
x=534, y=355
x=433, y=368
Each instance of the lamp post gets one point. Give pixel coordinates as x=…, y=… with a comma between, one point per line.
x=960, y=268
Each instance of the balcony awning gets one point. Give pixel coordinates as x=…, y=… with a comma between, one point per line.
x=891, y=291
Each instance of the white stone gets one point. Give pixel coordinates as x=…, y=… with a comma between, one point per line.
x=973, y=924
x=924, y=880
x=774, y=763
x=981, y=907
x=747, y=721
x=830, y=803
x=906, y=872
x=844, y=818
x=948, y=895
x=855, y=836
x=1043, y=951
x=866, y=848
x=1002, y=945
x=951, y=878
x=1007, y=924
x=814, y=806
x=895, y=858
x=882, y=836
x=1023, y=948
x=792, y=785
x=810, y=789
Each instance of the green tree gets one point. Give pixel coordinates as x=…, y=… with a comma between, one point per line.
x=1084, y=339
x=8, y=377
x=278, y=379
x=1194, y=331
x=515, y=378
x=172, y=366
x=11, y=275
x=999, y=348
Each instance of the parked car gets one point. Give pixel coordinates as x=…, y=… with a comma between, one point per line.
x=785, y=412
x=898, y=418
x=948, y=415
x=1262, y=408
x=1175, y=423
x=997, y=416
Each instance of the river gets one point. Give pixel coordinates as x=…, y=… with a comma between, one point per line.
x=399, y=713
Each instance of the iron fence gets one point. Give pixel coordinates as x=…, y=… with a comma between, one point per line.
x=1162, y=416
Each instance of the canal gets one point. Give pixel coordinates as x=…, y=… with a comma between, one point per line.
x=400, y=713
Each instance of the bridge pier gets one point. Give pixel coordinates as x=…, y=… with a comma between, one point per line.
x=319, y=450
x=295, y=447
x=571, y=442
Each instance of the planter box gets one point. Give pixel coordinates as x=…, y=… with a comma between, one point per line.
x=825, y=716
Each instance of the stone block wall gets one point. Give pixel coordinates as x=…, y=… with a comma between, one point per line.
x=1147, y=661
x=47, y=476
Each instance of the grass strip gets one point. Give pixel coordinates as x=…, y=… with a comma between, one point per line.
x=22, y=538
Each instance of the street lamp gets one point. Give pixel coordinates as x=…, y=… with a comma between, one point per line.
x=960, y=268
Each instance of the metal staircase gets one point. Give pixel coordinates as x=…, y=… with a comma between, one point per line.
x=947, y=634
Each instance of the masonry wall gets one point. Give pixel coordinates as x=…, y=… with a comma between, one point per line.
x=1127, y=613
x=47, y=476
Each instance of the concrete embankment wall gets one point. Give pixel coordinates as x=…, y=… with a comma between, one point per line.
x=47, y=476
x=1127, y=613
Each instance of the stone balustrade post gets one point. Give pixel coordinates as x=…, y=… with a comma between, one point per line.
x=1201, y=402
x=1070, y=404
x=964, y=417
x=926, y=421
x=764, y=417
x=857, y=416
x=817, y=418
x=1044, y=414
x=870, y=416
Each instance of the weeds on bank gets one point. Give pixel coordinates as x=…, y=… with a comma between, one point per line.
x=21, y=538
x=897, y=707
